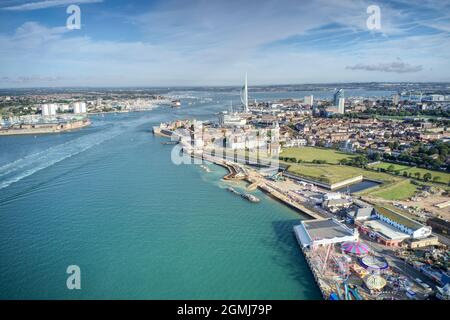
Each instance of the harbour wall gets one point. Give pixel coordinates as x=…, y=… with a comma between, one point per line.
x=43, y=129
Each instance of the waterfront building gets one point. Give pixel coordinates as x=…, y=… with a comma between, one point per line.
x=309, y=100
x=48, y=110
x=341, y=106
x=79, y=107
x=321, y=232
x=339, y=94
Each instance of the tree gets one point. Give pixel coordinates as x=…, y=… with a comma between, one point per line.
x=427, y=176
x=375, y=156
x=390, y=168
x=417, y=174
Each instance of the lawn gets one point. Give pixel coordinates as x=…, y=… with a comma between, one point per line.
x=444, y=177
x=397, y=191
x=324, y=172
x=308, y=154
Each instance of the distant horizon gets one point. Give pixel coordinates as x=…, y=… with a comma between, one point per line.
x=237, y=86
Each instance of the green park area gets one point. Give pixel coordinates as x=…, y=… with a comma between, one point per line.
x=414, y=172
x=398, y=182
x=391, y=187
x=309, y=154
x=400, y=190
x=324, y=172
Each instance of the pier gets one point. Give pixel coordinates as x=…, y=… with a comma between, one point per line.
x=236, y=172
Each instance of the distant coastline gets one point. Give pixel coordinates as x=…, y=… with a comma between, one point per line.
x=44, y=128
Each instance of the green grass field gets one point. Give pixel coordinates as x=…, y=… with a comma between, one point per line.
x=443, y=177
x=392, y=187
x=397, y=191
x=324, y=172
x=308, y=154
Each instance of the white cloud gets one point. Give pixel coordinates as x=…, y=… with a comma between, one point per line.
x=396, y=66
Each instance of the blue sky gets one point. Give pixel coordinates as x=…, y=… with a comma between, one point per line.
x=214, y=42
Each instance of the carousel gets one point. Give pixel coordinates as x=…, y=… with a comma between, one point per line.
x=355, y=248
x=375, y=282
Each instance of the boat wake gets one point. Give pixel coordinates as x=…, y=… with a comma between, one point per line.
x=29, y=165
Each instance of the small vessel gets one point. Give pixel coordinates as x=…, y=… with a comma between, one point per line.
x=232, y=190
x=250, y=197
x=246, y=196
x=176, y=103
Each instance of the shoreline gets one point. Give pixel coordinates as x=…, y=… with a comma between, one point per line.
x=46, y=128
x=274, y=195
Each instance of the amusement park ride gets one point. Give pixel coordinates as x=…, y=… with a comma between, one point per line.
x=337, y=266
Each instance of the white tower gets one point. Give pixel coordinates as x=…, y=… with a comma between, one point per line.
x=341, y=108
x=244, y=95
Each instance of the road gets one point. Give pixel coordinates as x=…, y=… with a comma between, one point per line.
x=396, y=263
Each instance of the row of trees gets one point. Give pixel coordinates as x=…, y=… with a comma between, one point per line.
x=426, y=176
x=407, y=113
x=294, y=160
x=360, y=161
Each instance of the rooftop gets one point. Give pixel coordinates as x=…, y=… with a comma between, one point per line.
x=326, y=229
x=399, y=218
x=386, y=230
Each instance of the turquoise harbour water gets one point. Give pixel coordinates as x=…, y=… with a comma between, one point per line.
x=108, y=199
